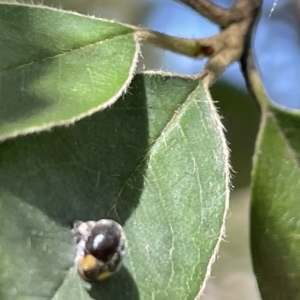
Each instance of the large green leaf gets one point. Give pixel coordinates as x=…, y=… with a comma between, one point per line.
x=156, y=162
x=275, y=218
x=58, y=66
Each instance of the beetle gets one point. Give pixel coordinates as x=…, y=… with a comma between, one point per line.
x=100, y=248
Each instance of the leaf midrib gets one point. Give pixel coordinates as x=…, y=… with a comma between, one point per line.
x=63, y=53
x=156, y=140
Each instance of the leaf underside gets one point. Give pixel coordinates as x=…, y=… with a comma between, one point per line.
x=275, y=214
x=155, y=162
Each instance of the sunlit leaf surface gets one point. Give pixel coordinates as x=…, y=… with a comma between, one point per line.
x=57, y=67
x=156, y=162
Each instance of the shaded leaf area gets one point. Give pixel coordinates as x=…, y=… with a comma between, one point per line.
x=275, y=212
x=241, y=120
x=155, y=162
x=58, y=66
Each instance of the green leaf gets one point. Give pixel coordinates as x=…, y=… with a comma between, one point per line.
x=57, y=67
x=276, y=206
x=156, y=162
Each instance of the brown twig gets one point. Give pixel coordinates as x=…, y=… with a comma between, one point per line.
x=210, y=11
x=236, y=25
x=231, y=44
x=222, y=16
x=190, y=47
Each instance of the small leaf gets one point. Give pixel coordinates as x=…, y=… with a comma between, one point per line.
x=57, y=67
x=156, y=162
x=275, y=205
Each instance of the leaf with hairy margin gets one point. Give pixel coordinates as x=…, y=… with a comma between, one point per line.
x=57, y=67
x=156, y=162
x=275, y=213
